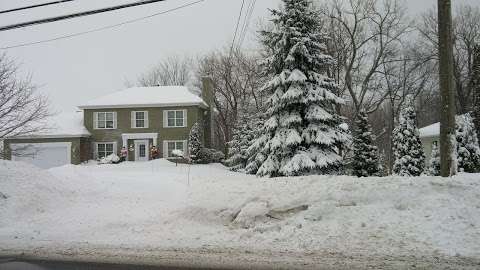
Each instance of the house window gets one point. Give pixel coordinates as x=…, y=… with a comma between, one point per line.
x=105, y=149
x=176, y=118
x=140, y=119
x=105, y=120
x=174, y=145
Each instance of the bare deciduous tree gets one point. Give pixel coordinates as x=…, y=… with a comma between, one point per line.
x=22, y=108
x=466, y=31
x=174, y=70
x=364, y=36
x=237, y=80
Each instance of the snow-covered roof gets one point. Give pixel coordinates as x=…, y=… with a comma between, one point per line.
x=62, y=125
x=158, y=96
x=430, y=131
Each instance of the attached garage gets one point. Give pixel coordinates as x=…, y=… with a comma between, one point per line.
x=66, y=142
x=43, y=155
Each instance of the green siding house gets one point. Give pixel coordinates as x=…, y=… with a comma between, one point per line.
x=137, y=118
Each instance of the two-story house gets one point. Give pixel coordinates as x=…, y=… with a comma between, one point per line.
x=136, y=118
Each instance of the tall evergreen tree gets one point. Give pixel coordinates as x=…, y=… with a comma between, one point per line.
x=302, y=133
x=468, y=151
x=365, y=153
x=407, y=147
x=434, y=163
x=475, y=87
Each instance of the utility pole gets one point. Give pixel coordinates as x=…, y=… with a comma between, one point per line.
x=447, y=116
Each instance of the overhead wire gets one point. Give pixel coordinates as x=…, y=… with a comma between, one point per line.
x=76, y=15
x=236, y=28
x=35, y=6
x=101, y=28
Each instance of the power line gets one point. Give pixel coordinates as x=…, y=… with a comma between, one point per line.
x=102, y=28
x=246, y=23
x=75, y=15
x=34, y=6
x=236, y=27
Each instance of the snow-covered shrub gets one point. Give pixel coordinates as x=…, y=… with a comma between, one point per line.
x=365, y=153
x=207, y=155
x=112, y=158
x=468, y=151
x=407, y=147
x=195, y=142
x=302, y=133
x=177, y=153
x=434, y=163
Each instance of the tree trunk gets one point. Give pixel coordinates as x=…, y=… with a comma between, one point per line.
x=447, y=117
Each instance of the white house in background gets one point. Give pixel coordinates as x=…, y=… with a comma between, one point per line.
x=429, y=136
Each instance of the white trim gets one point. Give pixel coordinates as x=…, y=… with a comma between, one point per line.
x=165, y=118
x=139, y=136
x=133, y=121
x=95, y=120
x=115, y=150
x=165, y=147
x=15, y=146
x=201, y=104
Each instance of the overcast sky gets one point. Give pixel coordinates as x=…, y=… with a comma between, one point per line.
x=73, y=71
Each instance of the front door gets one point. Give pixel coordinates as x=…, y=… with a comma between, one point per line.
x=141, y=150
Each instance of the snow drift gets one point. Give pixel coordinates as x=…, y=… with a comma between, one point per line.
x=162, y=206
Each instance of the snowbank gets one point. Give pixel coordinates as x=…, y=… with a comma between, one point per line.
x=156, y=205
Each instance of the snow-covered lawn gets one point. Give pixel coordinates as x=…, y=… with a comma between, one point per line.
x=145, y=208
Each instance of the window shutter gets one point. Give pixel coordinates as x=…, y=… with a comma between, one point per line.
x=185, y=149
x=165, y=120
x=185, y=123
x=114, y=120
x=165, y=148
x=95, y=120
x=146, y=119
x=132, y=119
x=115, y=149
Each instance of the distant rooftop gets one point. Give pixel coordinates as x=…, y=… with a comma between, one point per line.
x=430, y=131
x=158, y=96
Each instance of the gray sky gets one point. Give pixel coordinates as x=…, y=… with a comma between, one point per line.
x=75, y=70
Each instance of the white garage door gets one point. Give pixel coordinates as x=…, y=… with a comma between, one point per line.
x=43, y=155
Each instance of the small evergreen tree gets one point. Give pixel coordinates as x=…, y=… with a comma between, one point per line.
x=468, y=151
x=365, y=153
x=302, y=133
x=407, y=147
x=195, y=143
x=243, y=136
x=475, y=87
x=434, y=163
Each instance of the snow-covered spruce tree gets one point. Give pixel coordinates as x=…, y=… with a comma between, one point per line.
x=302, y=133
x=468, y=151
x=434, y=163
x=195, y=143
x=407, y=147
x=365, y=153
x=475, y=86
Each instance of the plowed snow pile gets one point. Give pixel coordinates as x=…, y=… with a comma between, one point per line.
x=160, y=205
x=26, y=191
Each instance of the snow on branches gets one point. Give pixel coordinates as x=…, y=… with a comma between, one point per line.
x=302, y=133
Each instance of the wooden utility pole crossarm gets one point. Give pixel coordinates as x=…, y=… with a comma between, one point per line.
x=447, y=118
